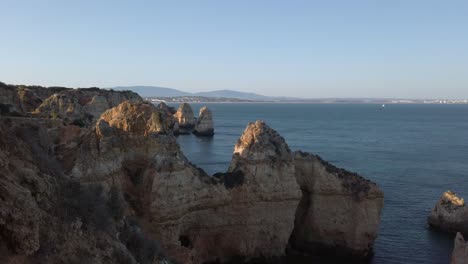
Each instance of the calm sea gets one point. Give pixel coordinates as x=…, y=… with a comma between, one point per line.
x=414, y=152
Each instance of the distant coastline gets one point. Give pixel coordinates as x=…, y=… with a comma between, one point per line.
x=205, y=99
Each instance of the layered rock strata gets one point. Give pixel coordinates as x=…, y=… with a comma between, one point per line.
x=450, y=214
x=185, y=118
x=204, y=125
x=460, y=250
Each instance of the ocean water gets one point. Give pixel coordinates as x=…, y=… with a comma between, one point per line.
x=413, y=152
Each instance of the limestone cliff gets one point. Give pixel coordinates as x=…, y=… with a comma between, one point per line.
x=450, y=214
x=83, y=106
x=246, y=212
x=185, y=118
x=339, y=212
x=105, y=193
x=204, y=125
x=460, y=250
x=48, y=217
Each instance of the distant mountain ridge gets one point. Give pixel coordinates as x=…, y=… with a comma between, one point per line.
x=155, y=91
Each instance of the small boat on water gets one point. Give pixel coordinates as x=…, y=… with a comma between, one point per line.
x=383, y=106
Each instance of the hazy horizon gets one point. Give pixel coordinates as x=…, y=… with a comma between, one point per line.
x=333, y=49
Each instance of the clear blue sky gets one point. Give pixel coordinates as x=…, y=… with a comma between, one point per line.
x=393, y=48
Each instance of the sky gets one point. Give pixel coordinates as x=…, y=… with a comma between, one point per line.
x=314, y=49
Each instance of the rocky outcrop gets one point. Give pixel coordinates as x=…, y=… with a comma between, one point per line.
x=450, y=214
x=21, y=99
x=105, y=193
x=83, y=106
x=204, y=125
x=339, y=212
x=460, y=250
x=168, y=113
x=246, y=212
x=185, y=118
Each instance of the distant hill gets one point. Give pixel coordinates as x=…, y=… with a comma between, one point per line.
x=150, y=91
x=235, y=94
x=155, y=91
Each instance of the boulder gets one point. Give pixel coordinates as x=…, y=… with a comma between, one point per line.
x=339, y=212
x=185, y=118
x=204, y=125
x=450, y=214
x=460, y=250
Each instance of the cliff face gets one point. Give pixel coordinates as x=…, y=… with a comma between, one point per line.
x=46, y=216
x=339, y=211
x=248, y=211
x=204, y=125
x=460, y=250
x=450, y=214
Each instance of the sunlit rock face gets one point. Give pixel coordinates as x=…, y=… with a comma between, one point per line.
x=204, y=125
x=83, y=106
x=185, y=118
x=339, y=212
x=460, y=250
x=450, y=214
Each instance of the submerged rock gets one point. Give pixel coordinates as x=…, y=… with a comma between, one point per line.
x=185, y=118
x=339, y=212
x=204, y=125
x=460, y=250
x=450, y=214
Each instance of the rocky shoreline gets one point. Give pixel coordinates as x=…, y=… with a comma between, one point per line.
x=116, y=188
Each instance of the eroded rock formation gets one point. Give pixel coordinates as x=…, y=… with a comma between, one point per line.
x=185, y=118
x=339, y=212
x=69, y=193
x=450, y=214
x=204, y=125
x=83, y=106
x=460, y=250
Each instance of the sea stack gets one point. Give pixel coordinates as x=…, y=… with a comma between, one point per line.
x=185, y=118
x=460, y=250
x=450, y=214
x=204, y=125
x=339, y=213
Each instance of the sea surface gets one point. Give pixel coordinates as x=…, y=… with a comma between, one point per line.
x=413, y=152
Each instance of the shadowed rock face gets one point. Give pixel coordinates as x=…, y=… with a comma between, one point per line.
x=460, y=250
x=185, y=117
x=204, y=124
x=450, y=214
x=22, y=99
x=339, y=211
x=168, y=113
